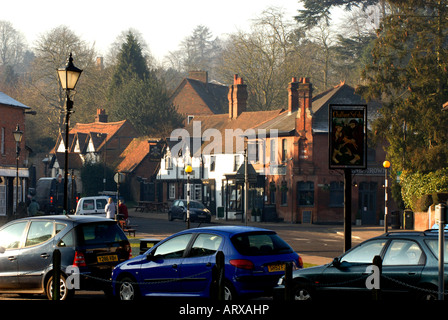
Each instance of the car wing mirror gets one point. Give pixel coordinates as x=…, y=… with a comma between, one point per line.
x=336, y=262
x=2, y=249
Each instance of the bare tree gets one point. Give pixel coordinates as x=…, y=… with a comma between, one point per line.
x=12, y=45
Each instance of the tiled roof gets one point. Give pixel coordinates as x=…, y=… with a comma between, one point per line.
x=99, y=132
x=340, y=94
x=208, y=98
x=221, y=122
x=133, y=155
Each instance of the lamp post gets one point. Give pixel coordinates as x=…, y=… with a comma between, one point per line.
x=188, y=170
x=68, y=77
x=18, y=138
x=386, y=165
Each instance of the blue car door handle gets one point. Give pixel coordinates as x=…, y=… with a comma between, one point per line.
x=44, y=255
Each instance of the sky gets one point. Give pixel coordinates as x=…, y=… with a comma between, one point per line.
x=163, y=24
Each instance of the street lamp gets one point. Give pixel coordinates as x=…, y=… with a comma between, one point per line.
x=188, y=170
x=386, y=165
x=18, y=138
x=68, y=77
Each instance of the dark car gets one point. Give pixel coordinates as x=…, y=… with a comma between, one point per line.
x=198, y=212
x=184, y=264
x=409, y=269
x=93, y=245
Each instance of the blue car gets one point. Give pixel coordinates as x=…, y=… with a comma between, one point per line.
x=184, y=264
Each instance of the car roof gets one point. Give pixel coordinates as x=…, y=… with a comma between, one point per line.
x=67, y=218
x=97, y=197
x=230, y=230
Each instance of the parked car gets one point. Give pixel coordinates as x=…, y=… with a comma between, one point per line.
x=92, y=244
x=184, y=263
x=92, y=205
x=409, y=269
x=198, y=212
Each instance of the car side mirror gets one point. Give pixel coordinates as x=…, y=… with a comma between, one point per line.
x=2, y=249
x=336, y=262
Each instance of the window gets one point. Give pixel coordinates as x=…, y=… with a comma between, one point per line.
x=284, y=149
x=273, y=158
x=10, y=236
x=2, y=142
x=99, y=233
x=173, y=248
x=205, y=245
x=433, y=244
x=88, y=204
x=236, y=162
x=284, y=193
x=365, y=252
x=212, y=163
x=305, y=193
x=172, y=190
x=168, y=163
x=39, y=232
x=101, y=203
x=336, y=194
x=260, y=244
x=403, y=252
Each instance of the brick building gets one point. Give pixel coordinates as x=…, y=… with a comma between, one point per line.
x=12, y=113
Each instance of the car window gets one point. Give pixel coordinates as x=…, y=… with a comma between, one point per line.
x=39, y=232
x=101, y=203
x=433, y=244
x=88, y=204
x=205, y=245
x=176, y=203
x=60, y=227
x=403, y=252
x=67, y=240
x=365, y=252
x=260, y=244
x=100, y=233
x=181, y=204
x=196, y=205
x=11, y=235
x=173, y=248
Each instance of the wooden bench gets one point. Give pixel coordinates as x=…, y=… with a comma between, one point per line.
x=127, y=228
x=129, y=231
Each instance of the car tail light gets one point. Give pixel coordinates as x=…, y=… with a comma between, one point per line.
x=242, y=264
x=128, y=248
x=51, y=200
x=79, y=260
x=300, y=263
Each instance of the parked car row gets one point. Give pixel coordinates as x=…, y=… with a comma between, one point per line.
x=409, y=269
x=180, y=265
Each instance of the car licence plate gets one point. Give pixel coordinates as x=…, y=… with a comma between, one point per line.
x=108, y=258
x=276, y=267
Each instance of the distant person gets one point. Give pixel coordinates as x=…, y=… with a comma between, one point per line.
x=110, y=209
x=33, y=208
x=123, y=210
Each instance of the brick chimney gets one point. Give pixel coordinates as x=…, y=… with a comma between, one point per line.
x=304, y=97
x=101, y=115
x=293, y=96
x=237, y=97
x=199, y=75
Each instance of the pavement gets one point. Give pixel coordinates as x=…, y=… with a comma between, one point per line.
x=359, y=233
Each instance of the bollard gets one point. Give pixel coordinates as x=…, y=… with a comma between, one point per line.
x=220, y=274
x=288, y=281
x=56, y=274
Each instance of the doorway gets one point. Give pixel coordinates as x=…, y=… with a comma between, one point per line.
x=367, y=202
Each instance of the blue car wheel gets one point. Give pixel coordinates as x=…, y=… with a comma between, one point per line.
x=127, y=289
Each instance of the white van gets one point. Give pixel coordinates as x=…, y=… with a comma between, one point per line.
x=92, y=205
